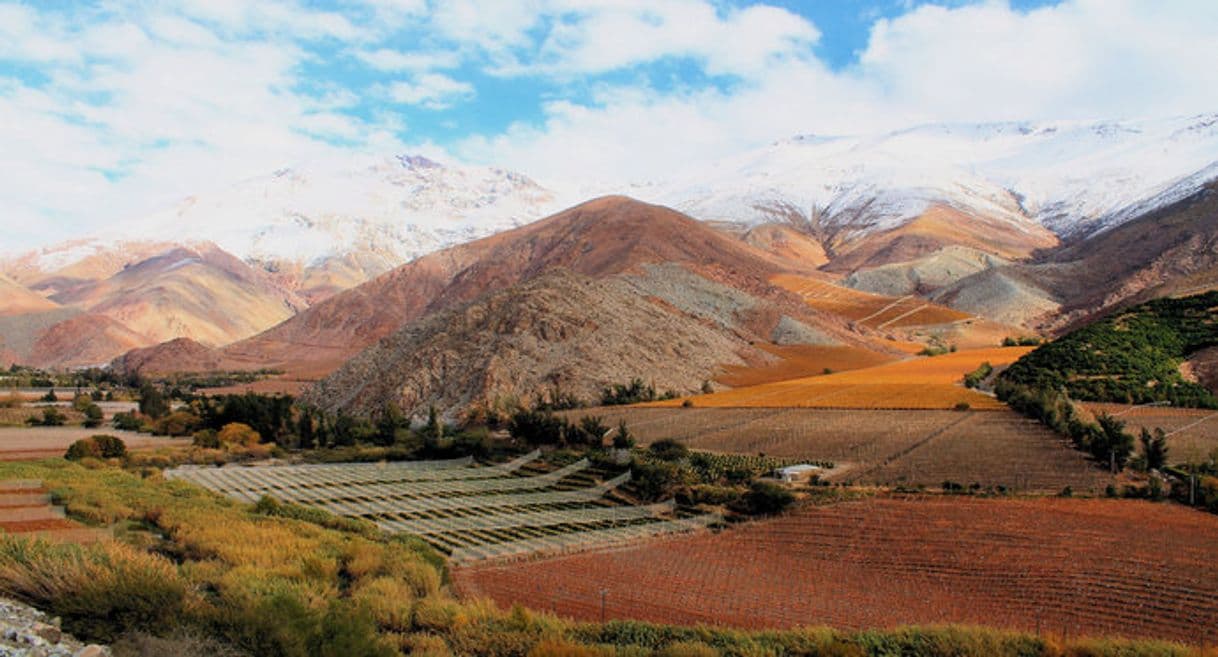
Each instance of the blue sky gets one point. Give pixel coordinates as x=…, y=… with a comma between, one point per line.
x=116, y=108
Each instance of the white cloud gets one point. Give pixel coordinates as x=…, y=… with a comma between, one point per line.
x=1096, y=59
x=144, y=104
x=388, y=59
x=431, y=90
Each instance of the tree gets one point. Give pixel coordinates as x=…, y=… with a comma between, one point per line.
x=622, y=438
x=93, y=416
x=1112, y=442
x=152, y=402
x=1154, y=448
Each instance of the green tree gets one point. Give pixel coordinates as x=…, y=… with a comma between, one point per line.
x=1154, y=448
x=622, y=438
x=93, y=416
x=152, y=402
x=1112, y=443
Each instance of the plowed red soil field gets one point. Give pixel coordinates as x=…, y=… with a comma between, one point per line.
x=1069, y=567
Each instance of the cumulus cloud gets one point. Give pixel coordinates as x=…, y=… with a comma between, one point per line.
x=1081, y=59
x=111, y=109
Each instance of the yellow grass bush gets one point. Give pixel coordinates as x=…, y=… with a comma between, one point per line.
x=100, y=591
x=389, y=601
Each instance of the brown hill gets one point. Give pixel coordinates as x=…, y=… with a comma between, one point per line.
x=1172, y=250
x=202, y=293
x=83, y=341
x=600, y=238
x=558, y=330
x=175, y=356
x=939, y=227
x=15, y=299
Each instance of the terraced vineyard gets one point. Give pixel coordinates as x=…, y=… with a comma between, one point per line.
x=872, y=310
x=992, y=448
x=471, y=512
x=1063, y=566
x=915, y=384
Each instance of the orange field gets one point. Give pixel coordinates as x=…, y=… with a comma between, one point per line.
x=872, y=310
x=1068, y=567
x=919, y=383
x=801, y=360
x=886, y=447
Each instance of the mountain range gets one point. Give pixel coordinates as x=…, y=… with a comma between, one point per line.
x=408, y=280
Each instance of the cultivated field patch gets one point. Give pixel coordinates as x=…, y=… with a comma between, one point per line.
x=920, y=383
x=886, y=447
x=469, y=512
x=23, y=443
x=872, y=310
x=797, y=361
x=1063, y=566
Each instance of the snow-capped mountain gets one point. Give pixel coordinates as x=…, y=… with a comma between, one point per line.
x=1074, y=178
x=396, y=207
x=381, y=211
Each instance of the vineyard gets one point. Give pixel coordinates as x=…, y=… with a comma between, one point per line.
x=800, y=360
x=469, y=512
x=919, y=384
x=867, y=309
x=1063, y=566
x=1192, y=432
x=991, y=448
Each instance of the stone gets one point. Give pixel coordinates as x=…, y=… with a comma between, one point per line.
x=91, y=651
x=49, y=633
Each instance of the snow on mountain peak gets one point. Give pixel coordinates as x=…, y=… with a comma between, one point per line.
x=392, y=207
x=1072, y=177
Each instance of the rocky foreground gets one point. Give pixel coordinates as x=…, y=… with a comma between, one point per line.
x=27, y=632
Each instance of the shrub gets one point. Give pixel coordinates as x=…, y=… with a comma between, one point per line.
x=239, y=434
x=206, y=439
x=537, y=427
x=766, y=498
x=101, y=591
x=98, y=447
x=128, y=422
x=668, y=450
x=51, y=417
x=178, y=423
x=634, y=392
x=688, y=649
x=93, y=416
x=179, y=644
x=962, y=406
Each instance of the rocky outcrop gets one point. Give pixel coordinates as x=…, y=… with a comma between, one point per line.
x=560, y=330
x=27, y=632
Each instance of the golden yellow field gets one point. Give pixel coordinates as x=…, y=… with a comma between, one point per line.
x=918, y=383
x=800, y=360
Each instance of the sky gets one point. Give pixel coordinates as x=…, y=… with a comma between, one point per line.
x=116, y=108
